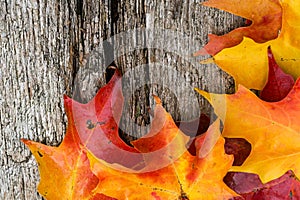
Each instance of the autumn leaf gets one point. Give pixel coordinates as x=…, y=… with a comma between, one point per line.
x=265, y=17
x=188, y=177
x=279, y=84
x=247, y=62
x=164, y=141
x=271, y=128
x=97, y=125
x=65, y=170
x=249, y=186
x=243, y=183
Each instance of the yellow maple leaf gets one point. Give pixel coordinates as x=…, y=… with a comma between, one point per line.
x=248, y=63
x=273, y=129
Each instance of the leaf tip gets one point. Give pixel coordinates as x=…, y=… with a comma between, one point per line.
x=28, y=143
x=206, y=95
x=67, y=100
x=207, y=61
x=31, y=145
x=205, y=3
x=201, y=52
x=25, y=141
x=157, y=99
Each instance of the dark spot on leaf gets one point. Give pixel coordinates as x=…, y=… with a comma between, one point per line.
x=89, y=124
x=41, y=155
x=183, y=196
x=193, y=166
x=157, y=189
x=101, y=123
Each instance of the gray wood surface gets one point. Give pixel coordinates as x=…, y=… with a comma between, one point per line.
x=49, y=48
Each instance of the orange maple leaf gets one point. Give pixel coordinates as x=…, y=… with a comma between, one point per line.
x=247, y=62
x=188, y=177
x=265, y=17
x=271, y=128
x=66, y=170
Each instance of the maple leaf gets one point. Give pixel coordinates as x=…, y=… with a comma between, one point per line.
x=265, y=17
x=279, y=84
x=247, y=62
x=249, y=186
x=97, y=125
x=188, y=177
x=271, y=128
x=65, y=170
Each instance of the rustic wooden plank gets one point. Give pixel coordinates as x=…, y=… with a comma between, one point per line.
x=49, y=48
x=36, y=39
